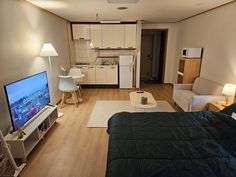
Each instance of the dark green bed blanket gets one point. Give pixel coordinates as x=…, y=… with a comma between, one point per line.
x=201, y=144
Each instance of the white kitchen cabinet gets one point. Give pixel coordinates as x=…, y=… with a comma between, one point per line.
x=96, y=35
x=81, y=31
x=91, y=75
x=112, y=74
x=118, y=36
x=113, y=36
x=84, y=70
x=107, y=36
x=130, y=35
x=101, y=75
x=89, y=72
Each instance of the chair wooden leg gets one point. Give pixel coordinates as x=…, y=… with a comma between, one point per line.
x=80, y=94
x=75, y=98
x=63, y=99
x=81, y=89
x=67, y=96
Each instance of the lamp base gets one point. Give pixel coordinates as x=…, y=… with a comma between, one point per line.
x=225, y=104
x=60, y=114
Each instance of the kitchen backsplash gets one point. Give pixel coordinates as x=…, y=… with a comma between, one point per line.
x=86, y=54
x=83, y=51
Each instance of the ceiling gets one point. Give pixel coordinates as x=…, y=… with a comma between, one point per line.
x=152, y=11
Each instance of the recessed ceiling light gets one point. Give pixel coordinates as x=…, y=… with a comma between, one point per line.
x=122, y=8
x=123, y=1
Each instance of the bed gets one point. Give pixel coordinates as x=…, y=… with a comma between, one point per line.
x=190, y=144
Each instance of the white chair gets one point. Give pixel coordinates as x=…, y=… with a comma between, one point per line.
x=69, y=88
x=74, y=73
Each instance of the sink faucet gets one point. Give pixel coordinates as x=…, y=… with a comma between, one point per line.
x=104, y=62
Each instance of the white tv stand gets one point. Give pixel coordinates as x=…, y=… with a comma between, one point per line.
x=34, y=132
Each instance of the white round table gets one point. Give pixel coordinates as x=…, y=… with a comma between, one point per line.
x=75, y=77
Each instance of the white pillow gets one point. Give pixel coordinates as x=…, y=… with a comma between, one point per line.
x=233, y=115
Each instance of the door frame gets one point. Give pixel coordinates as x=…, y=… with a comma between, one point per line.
x=152, y=36
x=165, y=49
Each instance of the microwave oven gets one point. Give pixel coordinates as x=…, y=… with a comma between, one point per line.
x=192, y=52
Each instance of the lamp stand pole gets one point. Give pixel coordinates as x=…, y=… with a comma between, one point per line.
x=60, y=114
x=50, y=65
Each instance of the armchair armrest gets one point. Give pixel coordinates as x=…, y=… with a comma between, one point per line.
x=199, y=102
x=183, y=86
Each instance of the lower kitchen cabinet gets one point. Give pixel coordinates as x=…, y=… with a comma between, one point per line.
x=112, y=75
x=89, y=78
x=101, y=75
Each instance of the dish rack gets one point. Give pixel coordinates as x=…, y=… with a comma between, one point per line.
x=6, y=159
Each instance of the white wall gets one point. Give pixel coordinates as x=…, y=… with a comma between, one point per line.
x=215, y=31
x=23, y=30
x=171, y=60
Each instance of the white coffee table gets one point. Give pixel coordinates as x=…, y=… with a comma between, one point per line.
x=135, y=100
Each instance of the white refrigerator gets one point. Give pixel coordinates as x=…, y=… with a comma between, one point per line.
x=126, y=71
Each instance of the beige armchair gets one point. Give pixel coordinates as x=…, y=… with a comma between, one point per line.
x=194, y=97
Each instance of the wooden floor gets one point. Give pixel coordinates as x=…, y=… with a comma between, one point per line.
x=71, y=149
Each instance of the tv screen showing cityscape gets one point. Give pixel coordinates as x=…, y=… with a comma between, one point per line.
x=26, y=98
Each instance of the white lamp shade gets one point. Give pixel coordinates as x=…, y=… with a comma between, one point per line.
x=48, y=50
x=229, y=89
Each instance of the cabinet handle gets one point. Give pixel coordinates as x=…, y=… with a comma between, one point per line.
x=90, y=67
x=180, y=73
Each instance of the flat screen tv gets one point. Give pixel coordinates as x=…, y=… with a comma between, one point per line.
x=26, y=98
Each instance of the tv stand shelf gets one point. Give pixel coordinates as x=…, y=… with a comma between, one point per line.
x=34, y=132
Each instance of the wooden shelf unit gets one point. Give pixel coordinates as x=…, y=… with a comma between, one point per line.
x=34, y=132
x=189, y=70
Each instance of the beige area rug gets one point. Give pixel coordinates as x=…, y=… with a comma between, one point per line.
x=103, y=110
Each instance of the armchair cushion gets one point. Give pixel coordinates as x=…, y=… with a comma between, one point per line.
x=205, y=87
x=183, y=86
x=199, y=102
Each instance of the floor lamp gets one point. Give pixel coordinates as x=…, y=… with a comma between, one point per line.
x=49, y=51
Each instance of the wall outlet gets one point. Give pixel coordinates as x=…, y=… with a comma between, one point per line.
x=233, y=115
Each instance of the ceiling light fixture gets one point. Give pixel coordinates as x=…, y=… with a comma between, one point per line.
x=123, y=1
x=110, y=21
x=122, y=8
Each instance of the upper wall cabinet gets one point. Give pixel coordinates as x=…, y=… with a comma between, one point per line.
x=113, y=36
x=107, y=36
x=96, y=35
x=81, y=31
x=130, y=35
x=118, y=36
